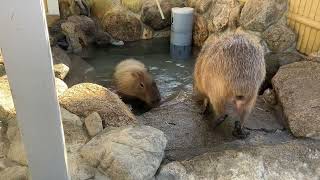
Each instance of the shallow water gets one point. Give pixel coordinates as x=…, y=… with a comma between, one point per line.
x=171, y=75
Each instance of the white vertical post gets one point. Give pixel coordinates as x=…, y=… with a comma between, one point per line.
x=25, y=46
x=53, y=7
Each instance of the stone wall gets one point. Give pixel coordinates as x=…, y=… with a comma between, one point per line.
x=126, y=20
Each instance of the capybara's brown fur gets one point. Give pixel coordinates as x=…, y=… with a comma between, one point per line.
x=230, y=70
x=133, y=80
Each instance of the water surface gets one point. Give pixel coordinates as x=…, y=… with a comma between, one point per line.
x=171, y=75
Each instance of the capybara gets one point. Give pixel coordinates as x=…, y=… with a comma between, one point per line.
x=230, y=70
x=132, y=80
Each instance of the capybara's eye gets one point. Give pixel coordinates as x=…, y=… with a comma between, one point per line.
x=141, y=85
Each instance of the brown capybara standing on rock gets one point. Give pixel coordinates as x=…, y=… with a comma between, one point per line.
x=132, y=80
x=230, y=70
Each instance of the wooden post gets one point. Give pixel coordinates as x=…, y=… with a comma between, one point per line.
x=25, y=46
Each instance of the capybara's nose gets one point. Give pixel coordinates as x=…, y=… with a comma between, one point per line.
x=156, y=101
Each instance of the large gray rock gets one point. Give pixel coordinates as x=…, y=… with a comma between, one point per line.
x=133, y=152
x=294, y=160
x=297, y=87
x=61, y=62
x=15, y=173
x=258, y=15
x=150, y=14
x=279, y=37
x=86, y=98
x=275, y=60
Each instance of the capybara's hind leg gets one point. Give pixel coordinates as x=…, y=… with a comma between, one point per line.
x=244, y=111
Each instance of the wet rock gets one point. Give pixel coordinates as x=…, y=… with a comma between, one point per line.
x=93, y=124
x=150, y=14
x=219, y=16
x=274, y=61
x=102, y=38
x=294, y=160
x=258, y=15
x=56, y=36
x=122, y=25
x=200, y=31
x=279, y=37
x=61, y=86
x=7, y=110
x=80, y=72
x=200, y=6
x=15, y=173
x=297, y=87
x=132, y=5
x=133, y=152
x=61, y=62
x=16, y=150
x=86, y=98
x=86, y=24
x=76, y=38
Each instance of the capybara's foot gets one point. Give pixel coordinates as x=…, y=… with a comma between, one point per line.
x=239, y=132
x=219, y=120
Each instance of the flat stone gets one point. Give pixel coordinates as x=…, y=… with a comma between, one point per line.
x=297, y=87
x=293, y=160
x=93, y=124
x=133, y=152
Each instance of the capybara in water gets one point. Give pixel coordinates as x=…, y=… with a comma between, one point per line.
x=230, y=70
x=132, y=80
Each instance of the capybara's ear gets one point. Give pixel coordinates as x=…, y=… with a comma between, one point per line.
x=138, y=75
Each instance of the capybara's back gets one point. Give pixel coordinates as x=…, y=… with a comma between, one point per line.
x=230, y=70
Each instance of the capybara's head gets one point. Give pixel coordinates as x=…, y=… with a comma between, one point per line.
x=145, y=88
